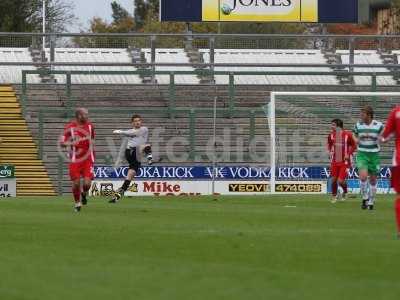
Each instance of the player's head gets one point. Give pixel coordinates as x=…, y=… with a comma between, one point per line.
x=337, y=123
x=81, y=115
x=136, y=121
x=367, y=114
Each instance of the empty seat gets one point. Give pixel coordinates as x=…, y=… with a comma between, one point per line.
x=177, y=56
x=13, y=74
x=88, y=55
x=244, y=56
x=367, y=57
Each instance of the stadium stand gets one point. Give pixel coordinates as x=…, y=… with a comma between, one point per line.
x=111, y=107
x=313, y=123
x=12, y=74
x=112, y=99
x=18, y=148
x=394, y=57
x=291, y=56
x=367, y=57
x=138, y=99
x=95, y=56
x=172, y=56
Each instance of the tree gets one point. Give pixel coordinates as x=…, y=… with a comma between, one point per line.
x=60, y=14
x=16, y=16
x=396, y=15
x=119, y=13
x=145, y=9
x=141, y=10
x=26, y=15
x=122, y=22
x=154, y=5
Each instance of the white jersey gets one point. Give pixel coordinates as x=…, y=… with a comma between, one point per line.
x=136, y=137
x=368, y=136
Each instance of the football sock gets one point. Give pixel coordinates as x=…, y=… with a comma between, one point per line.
x=76, y=191
x=344, y=187
x=364, y=189
x=397, y=210
x=125, y=185
x=372, y=193
x=86, y=188
x=147, y=150
x=334, y=189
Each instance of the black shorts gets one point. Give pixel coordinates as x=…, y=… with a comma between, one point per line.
x=134, y=163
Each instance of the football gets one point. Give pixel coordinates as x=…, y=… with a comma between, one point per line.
x=226, y=9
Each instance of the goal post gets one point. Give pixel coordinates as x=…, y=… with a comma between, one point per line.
x=299, y=123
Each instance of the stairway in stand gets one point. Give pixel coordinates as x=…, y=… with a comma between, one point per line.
x=18, y=148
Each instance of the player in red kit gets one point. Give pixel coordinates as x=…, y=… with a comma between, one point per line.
x=79, y=137
x=392, y=129
x=341, y=146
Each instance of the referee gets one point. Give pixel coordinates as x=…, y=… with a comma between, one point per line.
x=137, y=143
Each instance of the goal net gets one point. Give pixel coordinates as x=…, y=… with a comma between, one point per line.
x=299, y=124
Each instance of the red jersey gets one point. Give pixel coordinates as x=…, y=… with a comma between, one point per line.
x=81, y=137
x=392, y=128
x=340, y=146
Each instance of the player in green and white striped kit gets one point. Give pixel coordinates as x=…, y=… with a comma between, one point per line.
x=367, y=132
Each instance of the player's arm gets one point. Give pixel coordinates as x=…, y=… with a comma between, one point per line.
x=93, y=133
x=351, y=146
x=329, y=144
x=389, y=128
x=92, y=137
x=130, y=132
x=355, y=135
x=66, y=137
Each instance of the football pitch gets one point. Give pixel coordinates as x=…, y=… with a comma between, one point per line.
x=277, y=247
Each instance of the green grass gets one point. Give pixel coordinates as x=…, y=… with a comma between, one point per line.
x=197, y=248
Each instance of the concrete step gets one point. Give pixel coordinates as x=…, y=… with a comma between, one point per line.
x=14, y=121
x=21, y=162
x=5, y=88
x=12, y=111
x=6, y=94
x=5, y=105
x=8, y=100
x=12, y=151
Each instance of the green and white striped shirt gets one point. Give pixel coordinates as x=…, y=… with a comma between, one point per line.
x=368, y=136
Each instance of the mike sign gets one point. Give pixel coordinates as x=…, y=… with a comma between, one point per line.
x=318, y=11
x=101, y=187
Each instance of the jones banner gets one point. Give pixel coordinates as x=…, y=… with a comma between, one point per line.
x=318, y=11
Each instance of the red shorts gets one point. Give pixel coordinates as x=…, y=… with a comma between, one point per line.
x=339, y=170
x=81, y=169
x=396, y=178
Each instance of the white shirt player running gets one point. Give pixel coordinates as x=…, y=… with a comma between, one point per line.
x=136, y=137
